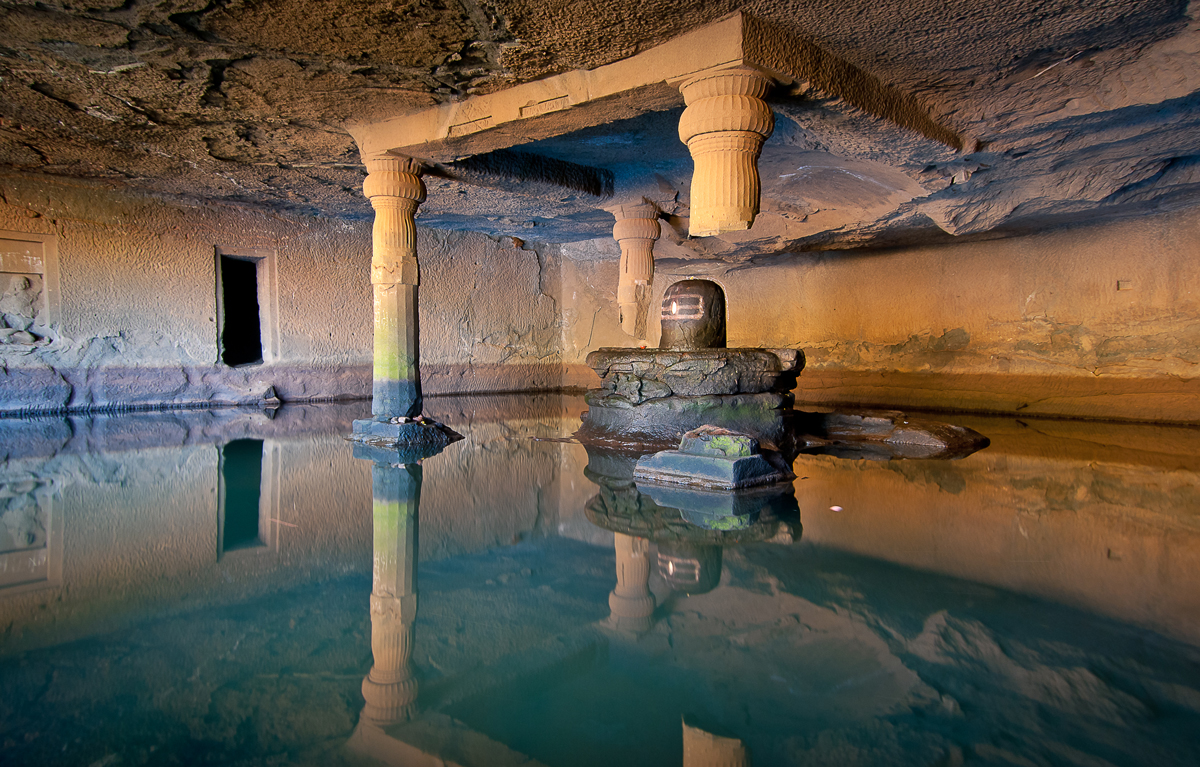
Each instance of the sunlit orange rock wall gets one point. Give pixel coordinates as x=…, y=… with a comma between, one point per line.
x=1090, y=321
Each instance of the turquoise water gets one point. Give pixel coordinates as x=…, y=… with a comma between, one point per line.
x=196, y=588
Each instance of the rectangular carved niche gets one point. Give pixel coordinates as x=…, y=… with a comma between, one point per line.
x=28, y=290
x=247, y=330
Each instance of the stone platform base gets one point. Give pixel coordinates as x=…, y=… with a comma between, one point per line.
x=661, y=423
x=414, y=436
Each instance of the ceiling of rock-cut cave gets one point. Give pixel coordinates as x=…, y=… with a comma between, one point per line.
x=1080, y=110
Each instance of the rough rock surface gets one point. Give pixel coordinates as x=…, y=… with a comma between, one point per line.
x=638, y=375
x=1076, y=110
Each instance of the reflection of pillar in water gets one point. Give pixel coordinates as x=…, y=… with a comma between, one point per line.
x=704, y=749
x=390, y=689
x=631, y=602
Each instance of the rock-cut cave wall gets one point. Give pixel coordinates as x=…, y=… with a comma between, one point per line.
x=118, y=306
x=1093, y=321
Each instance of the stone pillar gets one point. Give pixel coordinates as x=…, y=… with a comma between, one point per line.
x=631, y=602
x=395, y=189
x=389, y=689
x=724, y=127
x=636, y=230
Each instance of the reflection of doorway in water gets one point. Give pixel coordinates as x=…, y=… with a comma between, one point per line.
x=243, y=513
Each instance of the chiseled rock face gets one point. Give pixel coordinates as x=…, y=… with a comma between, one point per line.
x=634, y=376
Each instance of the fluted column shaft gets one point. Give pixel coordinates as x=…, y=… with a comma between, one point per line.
x=635, y=231
x=390, y=690
x=631, y=602
x=395, y=189
x=724, y=127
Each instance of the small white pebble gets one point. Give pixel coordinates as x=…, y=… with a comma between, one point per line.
x=835, y=508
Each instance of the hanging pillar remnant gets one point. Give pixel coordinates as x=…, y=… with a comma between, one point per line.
x=631, y=602
x=636, y=230
x=724, y=127
x=390, y=690
x=395, y=189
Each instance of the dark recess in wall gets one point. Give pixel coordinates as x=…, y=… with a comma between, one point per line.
x=241, y=334
x=241, y=475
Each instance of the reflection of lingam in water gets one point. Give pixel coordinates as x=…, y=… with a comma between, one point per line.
x=631, y=602
x=689, y=534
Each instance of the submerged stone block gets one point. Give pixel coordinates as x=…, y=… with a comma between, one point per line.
x=711, y=457
x=672, y=466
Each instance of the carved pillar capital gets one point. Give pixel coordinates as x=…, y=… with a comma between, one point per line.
x=389, y=689
x=394, y=186
x=393, y=176
x=724, y=127
x=636, y=230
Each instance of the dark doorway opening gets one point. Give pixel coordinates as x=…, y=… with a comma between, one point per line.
x=241, y=495
x=241, y=328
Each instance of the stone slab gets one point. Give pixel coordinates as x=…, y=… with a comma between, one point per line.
x=707, y=471
x=715, y=441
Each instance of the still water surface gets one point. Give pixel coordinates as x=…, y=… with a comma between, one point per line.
x=213, y=588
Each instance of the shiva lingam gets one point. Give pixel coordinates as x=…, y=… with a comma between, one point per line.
x=648, y=398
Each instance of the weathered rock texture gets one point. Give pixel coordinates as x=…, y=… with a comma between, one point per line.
x=137, y=300
x=1071, y=110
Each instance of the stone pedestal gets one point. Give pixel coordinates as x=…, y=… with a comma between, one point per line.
x=724, y=126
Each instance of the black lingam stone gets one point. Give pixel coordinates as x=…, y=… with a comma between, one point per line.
x=693, y=316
